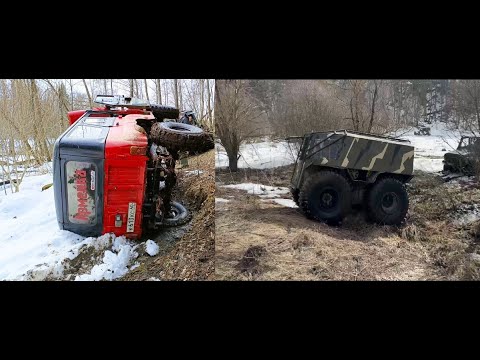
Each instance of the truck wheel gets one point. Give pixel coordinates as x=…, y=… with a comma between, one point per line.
x=295, y=194
x=387, y=202
x=326, y=196
x=164, y=112
x=179, y=215
x=181, y=137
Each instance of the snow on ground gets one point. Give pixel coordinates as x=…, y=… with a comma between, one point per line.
x=429, y=150
x=30, y=234
x=263, y=191
x=286, y=202
x=272, y=193
x=260, y=155
x=32, y=246
x=193, y=172
x=152, y=248
x=115, y=263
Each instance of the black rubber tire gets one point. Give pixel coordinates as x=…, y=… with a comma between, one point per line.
x=379, y=197
x=164, y=112
x=295, y=194
x=326, y=183
x=182, y=217
x=181, y=137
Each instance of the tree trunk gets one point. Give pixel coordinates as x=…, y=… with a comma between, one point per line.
x=180, y=102
x=477, y=111
x=88, y=93
x=39, y=139
x=175, y=84
x=159, y=91
x=375, y=92
x=146, y=89
x=59, y=95
x=71, y=93
x=130, y=82
x=202, y=96
x=209, y=97
x=136, y=87
x=165, y=91
x=233, y=161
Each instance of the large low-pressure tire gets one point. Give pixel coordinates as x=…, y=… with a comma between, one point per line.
x=164, y=112
x=181, y=137
x=326, y=196
x=295, y=194
x=387, y=202
x=447, y=168
x=179, y=216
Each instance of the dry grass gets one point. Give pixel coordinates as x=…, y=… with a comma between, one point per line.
x=298, y=249
x=430, y=246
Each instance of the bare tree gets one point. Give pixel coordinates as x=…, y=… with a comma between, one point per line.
x=180, y=93
x=135, y=82
x=202, y=97
x=90, y=102
x=175, y=85
x=146, y=89
x=235, y=114
x=209, y=103
x=468, y=103
x=159, y=91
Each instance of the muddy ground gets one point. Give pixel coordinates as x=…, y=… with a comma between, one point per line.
x=186, y=252
x=258, y=239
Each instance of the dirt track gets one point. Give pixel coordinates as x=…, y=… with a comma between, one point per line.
x=258, y=239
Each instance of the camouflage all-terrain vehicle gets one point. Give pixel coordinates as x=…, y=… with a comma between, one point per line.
x=338, y=169
x=465, y=158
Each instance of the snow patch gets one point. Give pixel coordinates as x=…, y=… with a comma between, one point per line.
x=466, y=214
x=114, y=265
x=260, y=155
x=427, y=164
x=32, y=247
x=193, y=172
x=429, y=150
x=263, y=191
x=30, y=239
x=475, y=257
x=151, y=248
x=286, y=202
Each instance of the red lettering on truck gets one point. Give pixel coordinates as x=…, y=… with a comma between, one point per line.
x=82, y=195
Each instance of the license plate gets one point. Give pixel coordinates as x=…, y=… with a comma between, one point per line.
x=131, y=216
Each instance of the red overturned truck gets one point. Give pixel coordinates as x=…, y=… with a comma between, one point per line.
x=114, y=167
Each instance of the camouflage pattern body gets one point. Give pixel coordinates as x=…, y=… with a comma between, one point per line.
x=347, y=150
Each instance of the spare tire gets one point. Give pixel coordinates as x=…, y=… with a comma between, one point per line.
x=164, y=112
x=179, y=215
x=180, y=137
